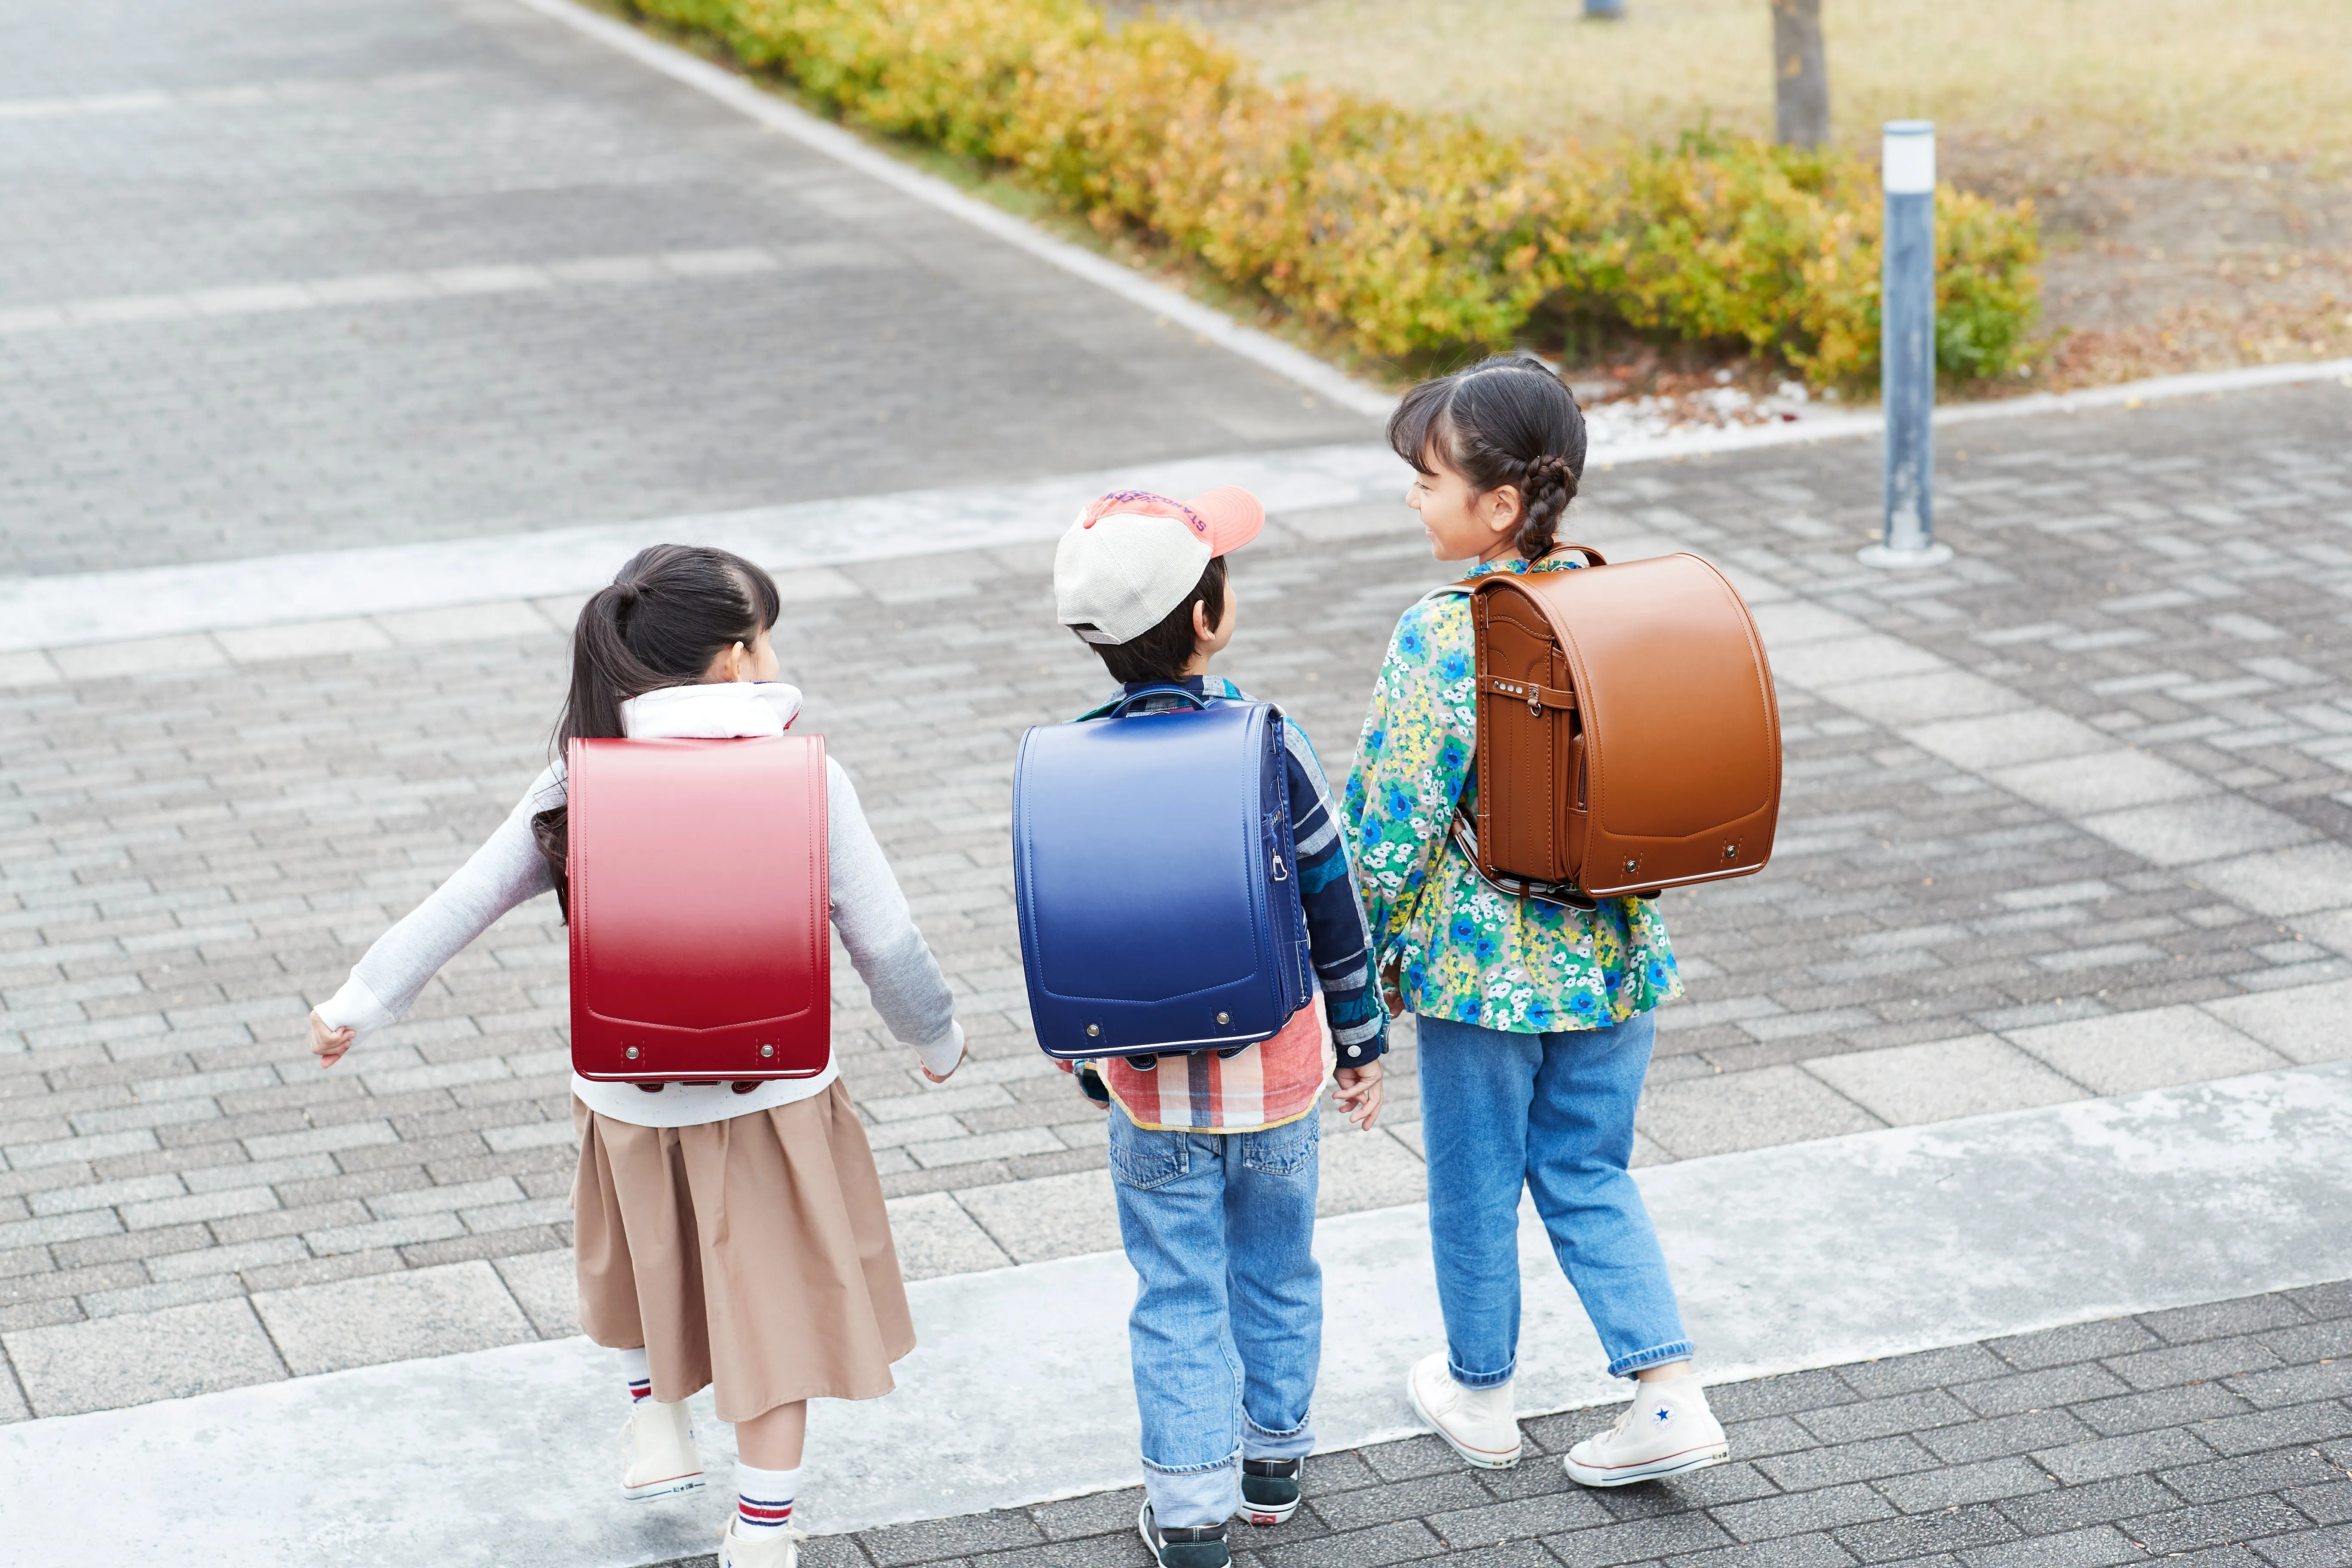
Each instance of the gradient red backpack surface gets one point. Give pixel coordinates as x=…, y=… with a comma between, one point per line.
x=700, y=901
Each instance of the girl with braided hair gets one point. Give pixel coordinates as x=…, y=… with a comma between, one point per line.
x=1533, y=1019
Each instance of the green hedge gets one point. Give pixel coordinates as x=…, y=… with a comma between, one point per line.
x=1408, y=233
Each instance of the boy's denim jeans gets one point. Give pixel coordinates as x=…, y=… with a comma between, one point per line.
x=1227, y=1329
x=1554, y=1114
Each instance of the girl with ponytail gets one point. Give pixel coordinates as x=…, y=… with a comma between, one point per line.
x=1533, y=1019
x=723, y=1238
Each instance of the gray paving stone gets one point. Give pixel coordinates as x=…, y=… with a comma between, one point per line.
x=1653, y=1537
x=2196, y=1402
x=2217, y=1320
x=1747, y=1111
x=1437, y=1499
x=1804, y=1511
x=2296, y=1384
x=1914, y=1535
x=545, y=1285
x=2218, y=1524
x=2274, y=1429
x=1938, y=1081
x=1046, y=1217
x=1986, y=1480
x=2108, y=1457
x=2146, y=1049
x=2078, y=1342
x=2328, y=1503
x=2100, y=1502
x=936, y=1236
x=1869, y=1461
x=1877, y=1417
x=2321, y=1340
x=138, y=1358
x=2315, y=1550
x=2099, y=1547
x=392, y=1317
x=2218, y=1480
x=2183, y=1363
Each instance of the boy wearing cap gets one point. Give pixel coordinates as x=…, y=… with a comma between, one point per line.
x=1212, y=1157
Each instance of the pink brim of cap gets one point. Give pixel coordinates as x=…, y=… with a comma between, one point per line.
x=1233, y=514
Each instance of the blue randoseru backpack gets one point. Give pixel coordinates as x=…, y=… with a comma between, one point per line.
x=1157, y=884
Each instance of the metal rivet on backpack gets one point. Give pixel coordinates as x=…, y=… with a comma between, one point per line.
x=767, y=1050
x=1731, y=851
x=1093, y=1030
x=1632, y=864
x=631, y=1053
x=1224, y=1017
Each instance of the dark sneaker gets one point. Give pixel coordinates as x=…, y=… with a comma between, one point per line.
x=1201, y=1546
x=1269, y=1490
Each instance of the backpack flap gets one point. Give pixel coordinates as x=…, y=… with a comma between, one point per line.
x=1152, y=866
x=700, y=903
x=1676, y=726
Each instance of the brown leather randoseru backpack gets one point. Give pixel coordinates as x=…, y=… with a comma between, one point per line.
x=1629, y=740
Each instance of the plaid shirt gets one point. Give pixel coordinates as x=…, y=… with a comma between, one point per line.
x=1280, y=1079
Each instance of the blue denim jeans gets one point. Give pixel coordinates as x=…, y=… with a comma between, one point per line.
x=1553, y=1113
x=1227, y=1331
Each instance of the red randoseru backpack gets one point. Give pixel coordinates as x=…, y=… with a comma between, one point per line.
x=701, y=950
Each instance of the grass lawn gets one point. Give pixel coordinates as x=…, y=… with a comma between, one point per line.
x=2163, y=86
x=2192, y=161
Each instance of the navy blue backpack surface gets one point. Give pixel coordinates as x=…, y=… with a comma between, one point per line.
x=1153, y=869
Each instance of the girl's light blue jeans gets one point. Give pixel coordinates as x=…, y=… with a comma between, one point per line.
x=1553, y=1113
x=1227, y=1331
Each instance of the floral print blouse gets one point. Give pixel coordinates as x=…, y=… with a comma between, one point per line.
x=1457, y=948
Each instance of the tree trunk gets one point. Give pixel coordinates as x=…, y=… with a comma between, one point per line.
x=1800, y=74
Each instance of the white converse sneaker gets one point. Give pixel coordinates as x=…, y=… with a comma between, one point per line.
x=1477, y=1421
x=761, y=1549
x=657, y=1452
x=1667, y=1430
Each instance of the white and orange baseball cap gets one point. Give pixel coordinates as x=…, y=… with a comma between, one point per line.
x=1133, y=556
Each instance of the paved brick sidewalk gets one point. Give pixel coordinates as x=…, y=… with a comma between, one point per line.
x=2217, y=1436
x=193, y=853
x=303, y=274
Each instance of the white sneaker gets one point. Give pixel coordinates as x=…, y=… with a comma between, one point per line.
x=657, y=1452
x=777, y=1548
x=1477, y=1422
x=1667, y=1430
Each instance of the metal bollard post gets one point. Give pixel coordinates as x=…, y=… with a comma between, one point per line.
x=1907, y=311
x=1604, y=10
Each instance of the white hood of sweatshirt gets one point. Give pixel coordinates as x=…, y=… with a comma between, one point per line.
x=725, y=709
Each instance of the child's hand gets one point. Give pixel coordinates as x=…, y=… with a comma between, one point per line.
x=328, y=1044
x=943, y=1077
x=1358, y=1094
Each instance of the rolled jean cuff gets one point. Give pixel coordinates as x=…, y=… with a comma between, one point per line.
x=1659, y=1355
x=1257, y=1443
x=1205, y=1494
x=1480, y=1379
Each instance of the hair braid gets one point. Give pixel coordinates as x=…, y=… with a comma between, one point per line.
x=1507, y=420
x=1550, y=485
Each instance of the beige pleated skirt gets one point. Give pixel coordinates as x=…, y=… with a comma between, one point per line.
x=752, y=1254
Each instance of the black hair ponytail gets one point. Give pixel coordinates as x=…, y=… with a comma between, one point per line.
x=670, y=611
x=1506, y=420
x=660, y=622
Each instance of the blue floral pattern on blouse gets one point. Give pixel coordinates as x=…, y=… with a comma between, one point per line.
x=1459, y=949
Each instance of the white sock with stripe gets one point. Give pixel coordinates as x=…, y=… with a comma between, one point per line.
x=763, y=1498
x=639, y=1372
